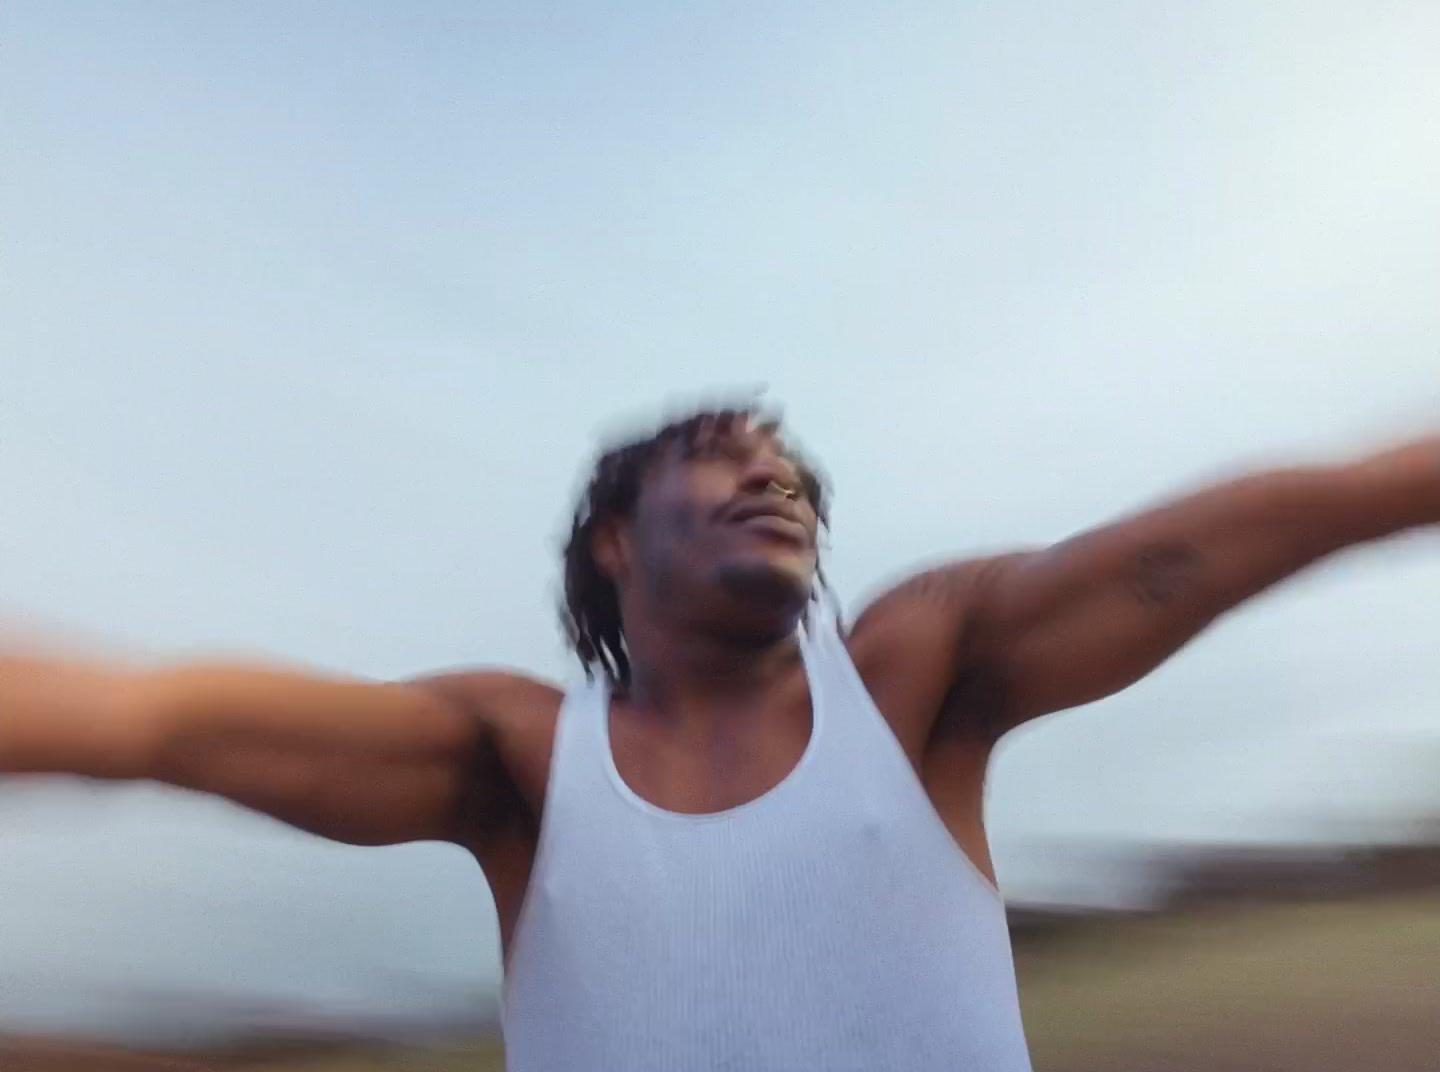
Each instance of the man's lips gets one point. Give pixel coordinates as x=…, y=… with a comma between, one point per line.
x=777, y=520
x=768, y=506
x=781, y=528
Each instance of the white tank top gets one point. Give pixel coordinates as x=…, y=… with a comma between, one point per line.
x=830, y=924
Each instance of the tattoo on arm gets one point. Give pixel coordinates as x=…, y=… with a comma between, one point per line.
x=1163, y=574
x=954, y=587
x=939, y=586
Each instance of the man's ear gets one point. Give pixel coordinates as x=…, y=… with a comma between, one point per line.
x=611, y=550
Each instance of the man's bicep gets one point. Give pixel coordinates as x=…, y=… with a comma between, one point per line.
x=1045, y=643
x=358, y=762
x=989, y=642
x=1070, y=624
x=914, y=647
x=1089, y=616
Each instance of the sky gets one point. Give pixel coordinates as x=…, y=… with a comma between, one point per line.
x=313, y=315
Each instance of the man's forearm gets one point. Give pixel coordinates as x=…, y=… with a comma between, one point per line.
x=360, y=762
x=62, y=716
x=1185, y=560
x=1393, y=491
x=1227, y=542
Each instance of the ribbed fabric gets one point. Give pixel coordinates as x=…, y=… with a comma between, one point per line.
x=831, y=924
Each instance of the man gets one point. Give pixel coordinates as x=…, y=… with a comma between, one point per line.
x=749, y=841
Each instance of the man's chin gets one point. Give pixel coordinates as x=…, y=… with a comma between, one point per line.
x=768, y=585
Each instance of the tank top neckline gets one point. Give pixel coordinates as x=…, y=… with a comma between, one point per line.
x=601, y=699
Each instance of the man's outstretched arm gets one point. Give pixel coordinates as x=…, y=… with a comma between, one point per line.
x=1041, y=631
x=349, y=760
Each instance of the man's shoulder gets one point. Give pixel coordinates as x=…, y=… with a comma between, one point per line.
x=497, y=696
x=916, y=641
x=519, y=714
x=931, y=596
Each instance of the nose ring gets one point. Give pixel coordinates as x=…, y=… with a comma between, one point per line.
x=790, y=494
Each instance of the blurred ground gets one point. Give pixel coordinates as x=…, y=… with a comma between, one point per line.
x=1330, y=987
x=1319, y=988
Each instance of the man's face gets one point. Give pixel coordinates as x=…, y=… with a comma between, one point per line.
x=728, y=528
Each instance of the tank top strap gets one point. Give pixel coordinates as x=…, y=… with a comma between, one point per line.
x=834, y=680
x=577, y=763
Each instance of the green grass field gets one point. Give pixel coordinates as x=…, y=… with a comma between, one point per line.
x=1351, y=987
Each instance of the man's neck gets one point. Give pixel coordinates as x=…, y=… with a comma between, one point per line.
x=678, y=673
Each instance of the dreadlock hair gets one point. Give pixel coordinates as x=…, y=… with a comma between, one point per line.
x=590, y=612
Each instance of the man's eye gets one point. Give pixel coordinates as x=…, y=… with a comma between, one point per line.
x=718, y=449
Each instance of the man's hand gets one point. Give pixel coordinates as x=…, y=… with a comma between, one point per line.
x=1041, y=631
x=353, y=761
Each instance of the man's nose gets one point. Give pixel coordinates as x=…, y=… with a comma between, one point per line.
x=769, y=474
